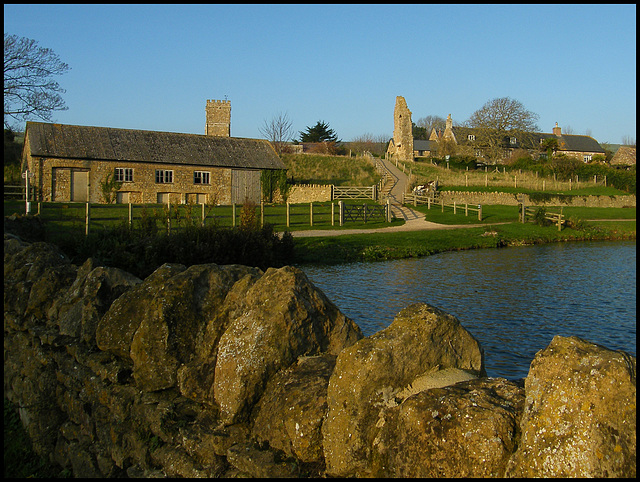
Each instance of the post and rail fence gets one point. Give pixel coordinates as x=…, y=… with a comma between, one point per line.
x=436, y=200
x=91, y=216
x=529, y=212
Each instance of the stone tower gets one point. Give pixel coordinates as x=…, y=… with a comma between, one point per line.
x=402, y=131
x=218, y=118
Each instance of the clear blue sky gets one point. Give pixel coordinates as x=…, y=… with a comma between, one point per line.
x=154, y=66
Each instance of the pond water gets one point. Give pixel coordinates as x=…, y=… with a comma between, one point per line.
x=513, y=300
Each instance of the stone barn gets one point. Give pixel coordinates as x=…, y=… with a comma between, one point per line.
x=69, y=163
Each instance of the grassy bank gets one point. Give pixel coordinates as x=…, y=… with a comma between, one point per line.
x=387, y=246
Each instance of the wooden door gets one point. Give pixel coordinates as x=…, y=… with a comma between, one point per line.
x=245, y=185
x=79, y=186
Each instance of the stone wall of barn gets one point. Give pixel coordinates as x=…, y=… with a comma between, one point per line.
x=53, y=179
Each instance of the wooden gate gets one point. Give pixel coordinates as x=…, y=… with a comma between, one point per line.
x=245, y=185
x=370, y=212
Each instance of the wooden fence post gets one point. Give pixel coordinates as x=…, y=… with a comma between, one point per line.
x=204, y=215
x=288, y=204
x=466, y=209
x=130, y=214
x=87, y=219
x=168, y=217
x=310, y=214
x=454, y=207
x=261, y=213
x=233, y=215
x=442, y=203
x=388, y=210
x=479, y=212
x=341, y=209
x=332, y=214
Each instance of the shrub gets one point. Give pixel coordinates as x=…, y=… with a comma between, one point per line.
x=539, y=217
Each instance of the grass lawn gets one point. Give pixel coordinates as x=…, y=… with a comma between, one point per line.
x=385, y=246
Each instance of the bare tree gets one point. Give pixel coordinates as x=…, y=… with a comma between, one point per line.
x=431, y=122
x=500, y=123
x=278, y=131
x=376, y=145
x=504, y=114
x=628, y=141
x=29, y=89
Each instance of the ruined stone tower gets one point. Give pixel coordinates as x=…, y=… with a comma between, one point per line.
x=218, y=118
x=402, y=131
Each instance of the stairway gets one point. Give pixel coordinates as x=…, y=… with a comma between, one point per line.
x=394, y=189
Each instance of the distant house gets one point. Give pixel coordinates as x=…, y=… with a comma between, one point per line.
x=580, y=147
x=422, y=148
x=68, y=163
x=624, y=156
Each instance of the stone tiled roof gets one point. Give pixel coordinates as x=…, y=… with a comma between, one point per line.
x=624, y=156
x=421, y=145
x=111, y=144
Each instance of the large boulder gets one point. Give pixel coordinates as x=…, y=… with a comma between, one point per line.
x=378, y=370
x=116, y=328
x=290, y=413
x=579, y=417
x=281, y=317
x=87, y=300
x=34, y=275
x=467, y=429
x=175, y=318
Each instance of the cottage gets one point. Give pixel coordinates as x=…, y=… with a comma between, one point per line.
x=474, y=141
x=69, y=163
x=480, y=143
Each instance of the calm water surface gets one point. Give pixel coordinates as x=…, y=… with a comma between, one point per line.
x=513, y=300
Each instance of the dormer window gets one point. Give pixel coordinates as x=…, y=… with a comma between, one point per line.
x=471, y=137
x=513, y=141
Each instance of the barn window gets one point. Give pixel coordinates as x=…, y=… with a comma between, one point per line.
x=163, y=176
x=124, y=174
x=201, y=177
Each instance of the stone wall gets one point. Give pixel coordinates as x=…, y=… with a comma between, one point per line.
x=508, y=199
x=214, y=371
x=307, y=193
x=55, y=183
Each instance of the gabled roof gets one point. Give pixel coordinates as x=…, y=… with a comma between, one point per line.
x=528, y=140
x=624, y=156
x=421, y=145
x=569, y=142
x=111, y=144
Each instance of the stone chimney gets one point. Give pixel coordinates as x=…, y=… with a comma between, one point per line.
x=557, y=131
x=218, y=118
x=448, y=130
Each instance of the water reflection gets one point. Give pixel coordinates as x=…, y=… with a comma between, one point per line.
x=512, y=300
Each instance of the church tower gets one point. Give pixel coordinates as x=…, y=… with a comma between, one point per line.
x=218, y=118
x=402, y=131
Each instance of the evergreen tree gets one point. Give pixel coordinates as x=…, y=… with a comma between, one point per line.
x=321, y=132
